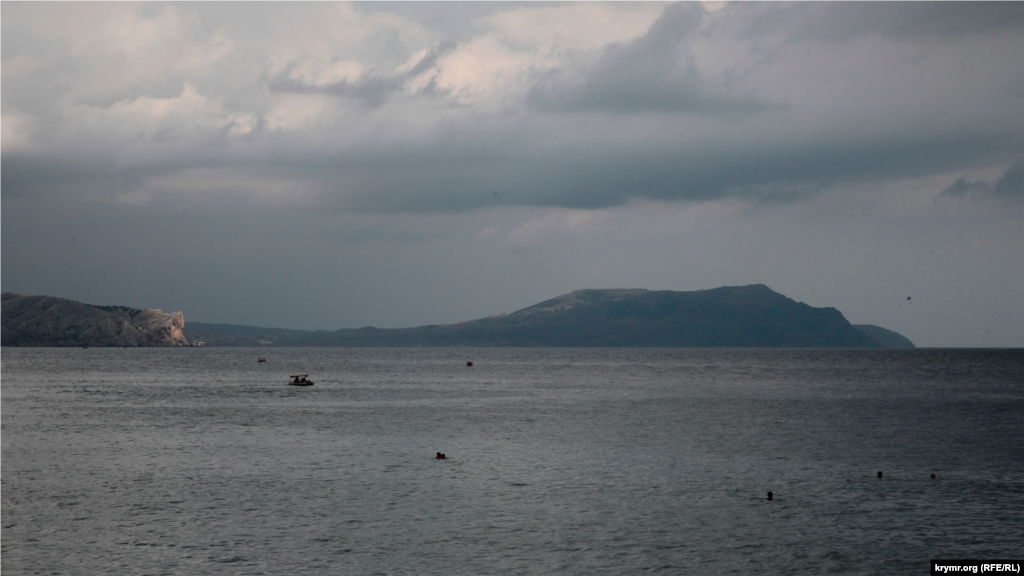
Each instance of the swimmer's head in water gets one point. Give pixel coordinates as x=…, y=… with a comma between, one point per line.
x=879, y=474
x=769, y=495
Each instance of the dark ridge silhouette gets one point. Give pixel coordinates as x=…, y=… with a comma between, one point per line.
x=731, y=316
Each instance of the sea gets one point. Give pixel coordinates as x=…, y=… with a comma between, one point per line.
x=149, y=461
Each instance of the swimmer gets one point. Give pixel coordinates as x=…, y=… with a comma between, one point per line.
x=439, y=456
x=933, y=476
x=879, y=474
x=770, y=496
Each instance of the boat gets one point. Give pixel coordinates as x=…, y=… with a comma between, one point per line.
x=300, y=380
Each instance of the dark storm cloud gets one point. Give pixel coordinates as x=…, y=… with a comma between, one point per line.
x=1010, y=184
x=962, y=187
x=461, y=176
x=466, y=173
x=653, y=73
x=372, y=89
x=943, y=20
x=43, y=178
x=901, y=21
x=1012, y=181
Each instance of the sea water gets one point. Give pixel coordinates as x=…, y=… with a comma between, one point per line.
x=559, y=461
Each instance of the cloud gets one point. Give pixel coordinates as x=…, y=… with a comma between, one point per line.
x=1009, y=185
x=16, y=132
x=520, y=41
x=348, y=79
x=656, y=72
x=347, y=51
x=557, y=226
x=97, y=54
x=576, y=26
x=1012, y=181
x=157, y=119
x=962, y=187
x=898, y=21
x=579, y=106
x=135, y=198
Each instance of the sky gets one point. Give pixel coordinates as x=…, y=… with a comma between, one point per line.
x=332, y=165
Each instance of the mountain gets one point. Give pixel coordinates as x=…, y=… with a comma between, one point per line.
x=731, y=316
x=49, y=321
x=885, y=338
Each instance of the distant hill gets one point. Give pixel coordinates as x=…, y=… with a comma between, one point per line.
x=885, y=338
x=49, y=321
x=731, y=316
x=234, y=335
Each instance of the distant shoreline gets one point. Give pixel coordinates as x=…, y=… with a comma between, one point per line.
x=751, y=316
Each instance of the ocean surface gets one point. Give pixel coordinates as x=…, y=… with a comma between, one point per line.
x=560, y=461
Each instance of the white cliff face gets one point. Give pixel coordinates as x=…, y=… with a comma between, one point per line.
x=159, y=329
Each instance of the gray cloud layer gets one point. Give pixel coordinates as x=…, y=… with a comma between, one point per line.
x=739, y=102
x=899, y=21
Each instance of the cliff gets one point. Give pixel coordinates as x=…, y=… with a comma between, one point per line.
x=731, y=316
x=885, y=338
x=49, y=321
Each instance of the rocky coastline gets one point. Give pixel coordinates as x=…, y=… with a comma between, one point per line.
x=51, y=321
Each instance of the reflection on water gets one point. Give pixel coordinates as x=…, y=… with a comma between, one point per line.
x=595, y=461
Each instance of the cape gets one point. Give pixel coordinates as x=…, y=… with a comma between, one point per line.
x=50, y=321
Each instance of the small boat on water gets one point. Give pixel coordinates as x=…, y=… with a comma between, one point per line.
x=300, y=380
